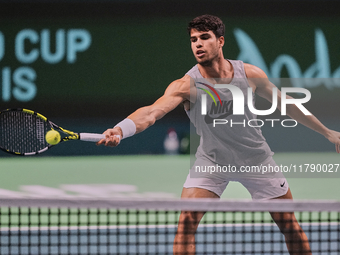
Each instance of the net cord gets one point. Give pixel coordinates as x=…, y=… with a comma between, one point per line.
x=178, y=204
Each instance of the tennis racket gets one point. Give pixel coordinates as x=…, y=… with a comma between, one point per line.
x=22, y=132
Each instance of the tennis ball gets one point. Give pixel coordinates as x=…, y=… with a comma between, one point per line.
x=52, y=137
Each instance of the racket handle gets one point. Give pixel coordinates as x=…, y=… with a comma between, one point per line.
x=89, y=137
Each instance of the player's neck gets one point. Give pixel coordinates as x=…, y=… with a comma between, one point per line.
x=220, y=68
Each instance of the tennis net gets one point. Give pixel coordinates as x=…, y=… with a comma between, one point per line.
x=102, y=226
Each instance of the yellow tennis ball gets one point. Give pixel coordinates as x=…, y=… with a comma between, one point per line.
x=52, y=137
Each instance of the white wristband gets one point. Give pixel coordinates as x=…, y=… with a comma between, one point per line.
x=128, y=128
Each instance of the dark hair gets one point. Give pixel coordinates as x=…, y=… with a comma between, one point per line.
x=206, y=23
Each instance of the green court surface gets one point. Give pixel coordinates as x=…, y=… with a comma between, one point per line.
x=141, y=176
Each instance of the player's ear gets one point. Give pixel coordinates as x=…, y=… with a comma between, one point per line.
x=221, y=40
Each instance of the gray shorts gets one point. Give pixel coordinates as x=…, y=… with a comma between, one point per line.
x=266, y=184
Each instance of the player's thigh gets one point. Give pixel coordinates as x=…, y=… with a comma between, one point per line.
x=198, y=193
x=288, y=195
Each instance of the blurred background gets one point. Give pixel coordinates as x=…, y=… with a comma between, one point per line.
x=86, y=65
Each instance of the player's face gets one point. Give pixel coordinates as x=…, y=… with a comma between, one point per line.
x=205, y=46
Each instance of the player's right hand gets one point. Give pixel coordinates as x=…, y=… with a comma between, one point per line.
x=112, y=137
x=334, y=137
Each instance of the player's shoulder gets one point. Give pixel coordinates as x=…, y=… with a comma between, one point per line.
x=180, y=87
x=182, y=82
x=185, y=79
x=254, y=71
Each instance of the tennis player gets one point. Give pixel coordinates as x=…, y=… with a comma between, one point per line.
x=235, y=145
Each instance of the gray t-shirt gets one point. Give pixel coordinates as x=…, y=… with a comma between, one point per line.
x=236, y=142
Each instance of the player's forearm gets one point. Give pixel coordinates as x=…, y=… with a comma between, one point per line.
x=309, y=121
x=145, y=117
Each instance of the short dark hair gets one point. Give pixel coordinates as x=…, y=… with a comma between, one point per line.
x=206, y=23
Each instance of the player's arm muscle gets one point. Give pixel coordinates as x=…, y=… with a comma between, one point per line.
x=263, y=87
x=176, y=93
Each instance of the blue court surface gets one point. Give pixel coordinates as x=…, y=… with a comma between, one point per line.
x=218, y=239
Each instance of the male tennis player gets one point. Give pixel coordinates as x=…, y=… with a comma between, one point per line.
x=228, y=145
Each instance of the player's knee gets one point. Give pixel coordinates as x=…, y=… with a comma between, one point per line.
x=290, y=227
x=188, y=222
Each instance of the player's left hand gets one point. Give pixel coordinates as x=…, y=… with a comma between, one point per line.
x=334, y=137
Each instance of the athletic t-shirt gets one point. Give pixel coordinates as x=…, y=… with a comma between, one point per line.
x=236, y=142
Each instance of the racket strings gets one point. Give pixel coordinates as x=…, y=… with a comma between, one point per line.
x=22, y=132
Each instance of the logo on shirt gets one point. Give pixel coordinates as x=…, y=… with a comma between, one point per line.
x=217, y=110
